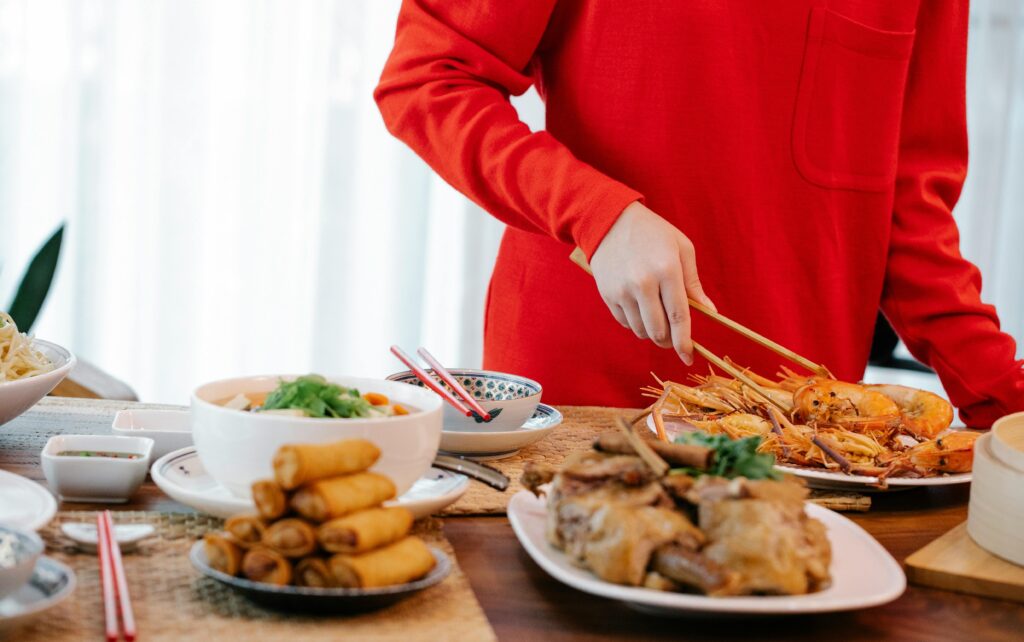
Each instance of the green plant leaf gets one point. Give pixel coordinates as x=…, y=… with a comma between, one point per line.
x=35, y=285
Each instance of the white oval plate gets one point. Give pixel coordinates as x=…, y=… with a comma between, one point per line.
x=181, y=475
x=481, y=443
x=853, y=551
x=828, y=480
x=51, y=583
x=24, y=504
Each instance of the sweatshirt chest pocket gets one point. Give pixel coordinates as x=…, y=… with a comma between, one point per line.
x=849, y=103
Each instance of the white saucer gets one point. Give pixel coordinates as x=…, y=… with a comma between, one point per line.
x=50, y=584
x=852, y=587
x=483, y=444
x=24, y=504
x=128, y=536
x=828, y=480
x=181, y=475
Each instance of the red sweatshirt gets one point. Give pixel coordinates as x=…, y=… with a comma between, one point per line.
x=812, y=150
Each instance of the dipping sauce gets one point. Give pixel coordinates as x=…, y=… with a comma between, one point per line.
x=110, y=454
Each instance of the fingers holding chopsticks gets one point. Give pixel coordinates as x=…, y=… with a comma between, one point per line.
x=677, y=310
x=645, y=269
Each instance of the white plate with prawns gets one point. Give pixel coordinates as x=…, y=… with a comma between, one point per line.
x=834, y=434
x=824, y=479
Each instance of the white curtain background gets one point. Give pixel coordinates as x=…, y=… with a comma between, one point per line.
x=235, y=205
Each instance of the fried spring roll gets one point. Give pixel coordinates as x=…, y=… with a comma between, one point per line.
x=330, y=498
x=245, y=530
x=262, y=564
x=365, y=530
x=270, y=499
x=404, y=561
x=222, y=554
x=313, y=571
x=298, y=464
x=291, y=537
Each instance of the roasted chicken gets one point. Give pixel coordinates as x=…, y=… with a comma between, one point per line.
x=610, y=513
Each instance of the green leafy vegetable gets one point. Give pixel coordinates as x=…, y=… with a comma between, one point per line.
x=733, y=457
x=35, y=284
x=317, y=397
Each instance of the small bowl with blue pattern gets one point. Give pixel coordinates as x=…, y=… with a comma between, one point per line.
x=510, y=399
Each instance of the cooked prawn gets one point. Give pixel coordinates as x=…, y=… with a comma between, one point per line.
x=924, y=414
x=736, y=425
x=850, y=405
x=952, y=453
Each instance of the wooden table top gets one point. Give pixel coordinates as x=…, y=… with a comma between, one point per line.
x=523, y=603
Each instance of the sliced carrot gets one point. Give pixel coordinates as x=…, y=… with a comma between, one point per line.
x=400, y=410
x=376, y=399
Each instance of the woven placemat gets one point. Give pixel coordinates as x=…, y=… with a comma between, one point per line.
x=580, y=425
x=174, y=602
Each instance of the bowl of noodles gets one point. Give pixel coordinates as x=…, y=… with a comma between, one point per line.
x=29, y=369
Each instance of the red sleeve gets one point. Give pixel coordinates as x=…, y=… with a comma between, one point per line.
x=445, y=93
x=932, y=295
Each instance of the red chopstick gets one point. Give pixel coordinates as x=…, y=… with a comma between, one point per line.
x=447, y=377
x=121, y=582
x=107, y=579
x=429, y=381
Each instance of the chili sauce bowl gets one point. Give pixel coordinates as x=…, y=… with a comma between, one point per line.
x=99, y=476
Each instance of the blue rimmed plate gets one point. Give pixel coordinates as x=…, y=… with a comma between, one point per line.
x=488, y=444
x=181, y=475
x=51, y=583
x=322, y=600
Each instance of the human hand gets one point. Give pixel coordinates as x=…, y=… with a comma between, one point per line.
x=645, y=269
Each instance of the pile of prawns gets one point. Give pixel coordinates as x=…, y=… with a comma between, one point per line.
x=819, y=422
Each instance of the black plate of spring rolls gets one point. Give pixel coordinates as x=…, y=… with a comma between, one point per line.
x=324, y=601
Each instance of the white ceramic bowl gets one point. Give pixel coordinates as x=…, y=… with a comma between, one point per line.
x=18, y=396
x=510, y=399
x=96, y=479
x=19, y=551
x=237, y=447
x=170, y=430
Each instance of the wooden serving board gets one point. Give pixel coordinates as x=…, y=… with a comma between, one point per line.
x=955, y=563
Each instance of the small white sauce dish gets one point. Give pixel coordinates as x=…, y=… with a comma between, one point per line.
x=100, y=479
x=19, y=551
x=128, y=536
x=170, y=430
x=510, y=399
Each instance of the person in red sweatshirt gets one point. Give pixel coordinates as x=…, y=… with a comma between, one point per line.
x=796, y=163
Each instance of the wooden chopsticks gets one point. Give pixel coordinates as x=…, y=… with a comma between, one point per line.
x=580, y=259
x=115, y=585
x=474, y=409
